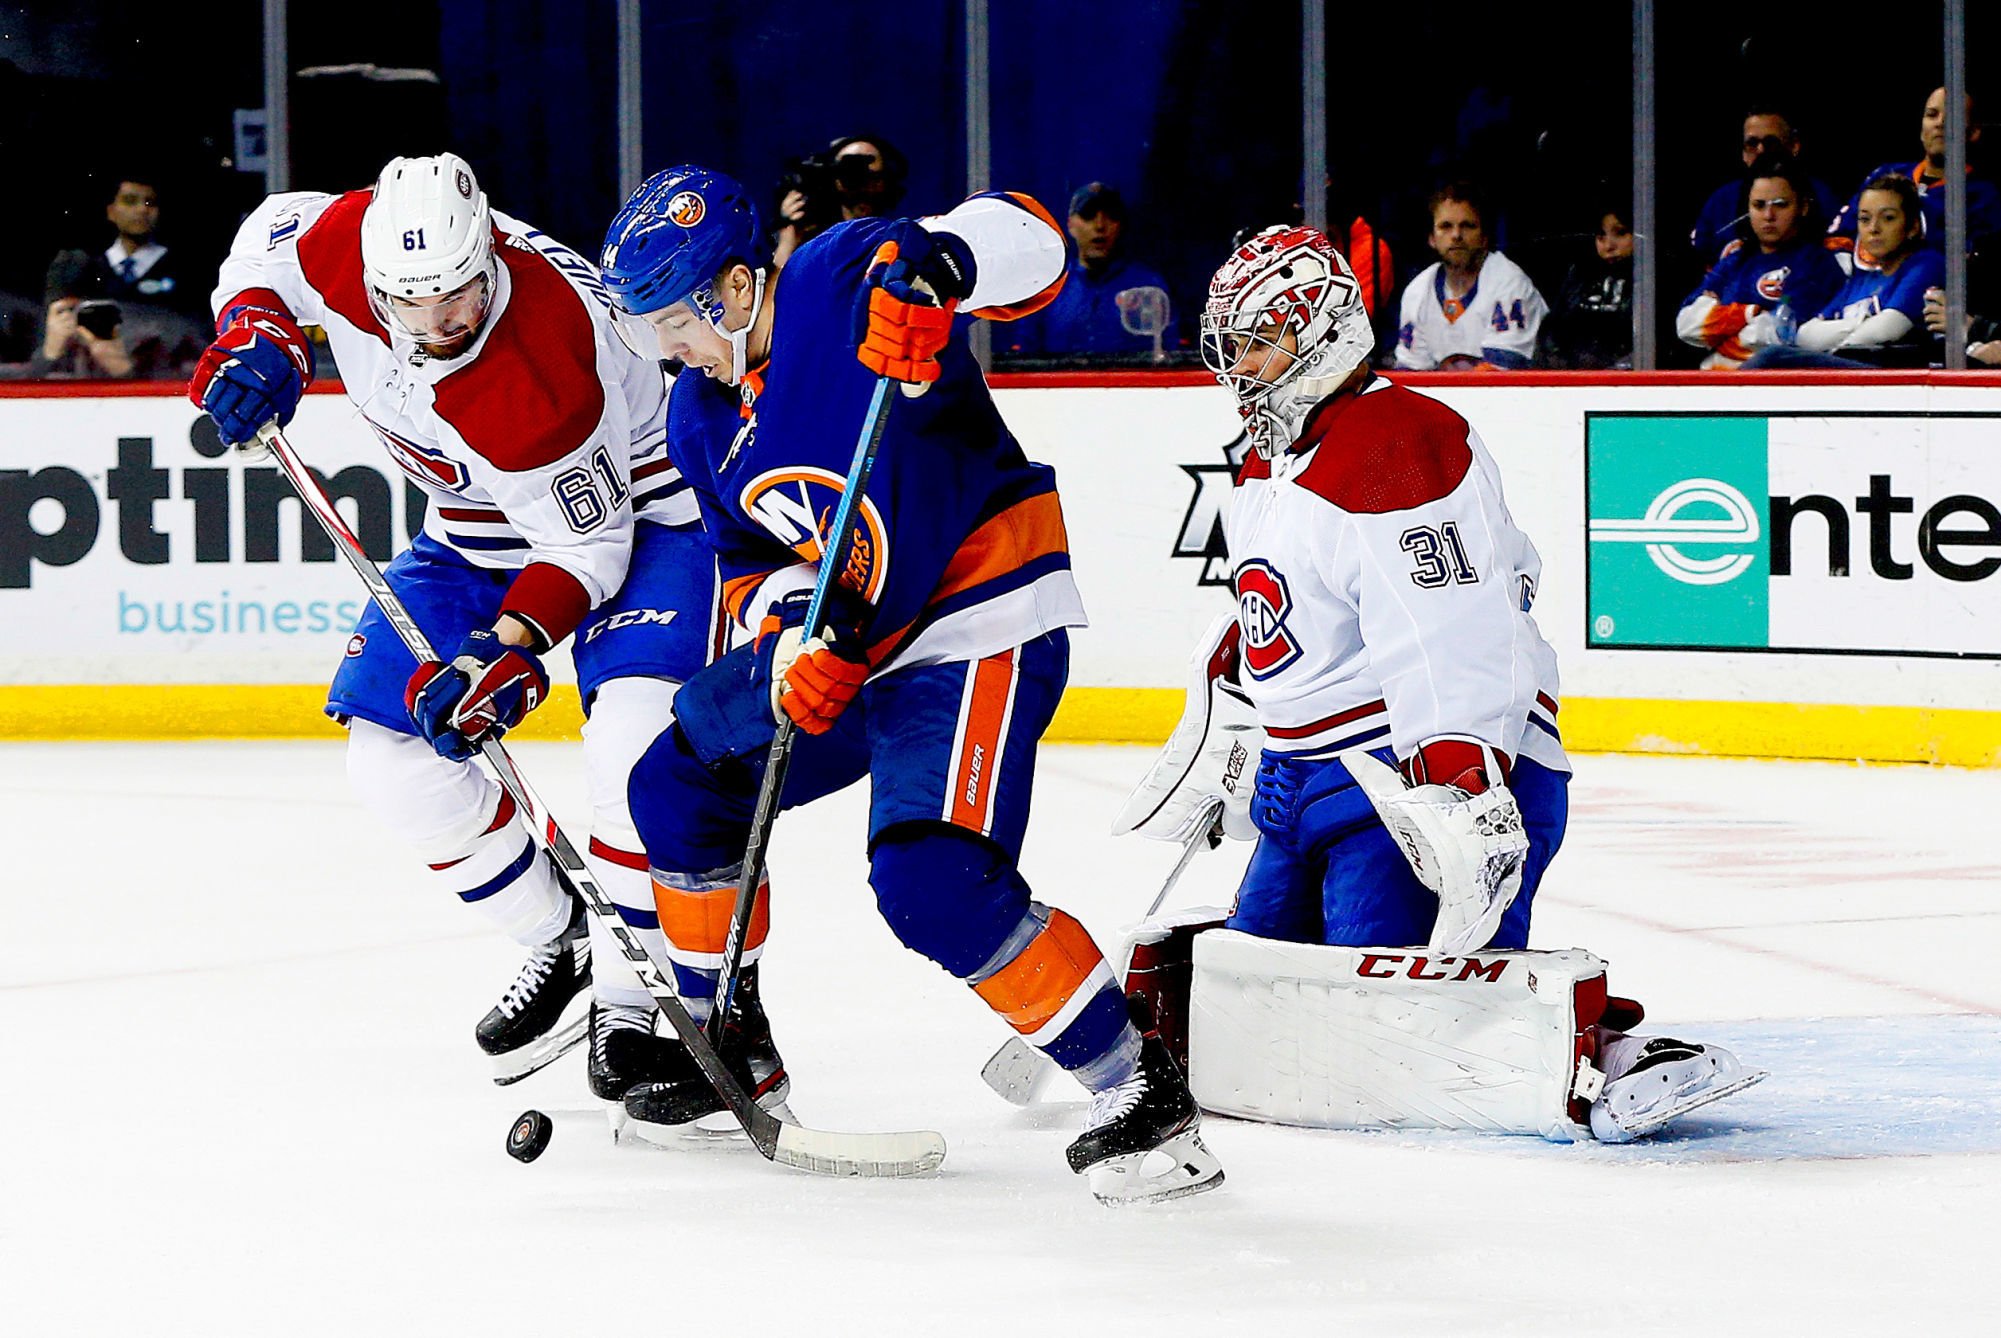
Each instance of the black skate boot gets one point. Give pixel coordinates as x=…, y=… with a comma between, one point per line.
x=625, y=1053
x=542, y=1015
x=1143, y=1138
x=683, y=1106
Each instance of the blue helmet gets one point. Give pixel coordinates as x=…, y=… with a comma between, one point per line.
x=675, y=235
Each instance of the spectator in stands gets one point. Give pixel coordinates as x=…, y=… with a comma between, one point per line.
x=1767, y=280
x=1474, y=308
x=1591, y=325
x=1877, y=319
x=1768, y=133
x=857, y=176
x=1982, y=333
x=1927, y=175
x=1100, y=299
x=137, y=267
x=88, y=337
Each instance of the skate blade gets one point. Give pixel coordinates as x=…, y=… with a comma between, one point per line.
x=1682, y=1105
x=620, y=1122
x=1181, y=1166
x=545, y=1050
x=717, y=1128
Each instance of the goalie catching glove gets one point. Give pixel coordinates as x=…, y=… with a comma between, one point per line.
x=1460, y=828
x=1211, y=757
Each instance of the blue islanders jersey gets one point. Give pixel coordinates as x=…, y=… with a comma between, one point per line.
x=1730, y=311
x=1869, y=291
x=961, y=550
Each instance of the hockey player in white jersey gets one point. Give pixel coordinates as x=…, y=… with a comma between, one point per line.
x=1474, y=308
x=1383, y=621
x=486, y=358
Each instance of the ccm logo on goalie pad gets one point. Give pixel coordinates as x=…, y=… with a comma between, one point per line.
x=1418, y=968
x=1263, y=601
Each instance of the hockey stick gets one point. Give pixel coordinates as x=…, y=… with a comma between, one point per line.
x=834, y=548
x=824, y=1151
x=1017, y=1071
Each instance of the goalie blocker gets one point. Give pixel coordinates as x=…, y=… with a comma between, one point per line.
x=1373, y=1038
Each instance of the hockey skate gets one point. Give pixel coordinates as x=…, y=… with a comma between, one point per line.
x=1142, y=1142
x=1661, y=1079
x=544, y=1013
x=681, y=1105
x=625, y=1053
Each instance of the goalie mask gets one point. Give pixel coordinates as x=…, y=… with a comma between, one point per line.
x=427, y=251
x=1284, y=325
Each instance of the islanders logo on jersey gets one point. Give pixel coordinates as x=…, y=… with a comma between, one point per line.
x=686, y=209
x=796, y=505
x=1772, y=283
x=425, y=464
x=1263, y=603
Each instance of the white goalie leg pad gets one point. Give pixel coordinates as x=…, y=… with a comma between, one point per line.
x=627, y=715
x=451, y=813
x=1394, y=1038
x=1212, y=754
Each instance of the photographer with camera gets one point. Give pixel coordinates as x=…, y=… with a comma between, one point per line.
x=857, y=176
x=86, y=336
x=1768, y=132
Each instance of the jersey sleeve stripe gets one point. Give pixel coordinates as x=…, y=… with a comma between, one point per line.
x=550, y=597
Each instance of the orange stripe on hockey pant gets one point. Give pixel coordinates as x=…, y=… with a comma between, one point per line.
x=980, y=743
x=1033, y=988
x=737, y=592
x=699, y=922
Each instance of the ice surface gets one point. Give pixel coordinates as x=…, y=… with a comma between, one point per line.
x=239, y=1093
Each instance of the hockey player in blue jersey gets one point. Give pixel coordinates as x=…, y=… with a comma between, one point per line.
x=948, y=647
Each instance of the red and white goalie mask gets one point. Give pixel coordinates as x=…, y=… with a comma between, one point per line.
x=1284, y=325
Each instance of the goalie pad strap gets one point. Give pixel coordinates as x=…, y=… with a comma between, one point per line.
x=1396, y=1038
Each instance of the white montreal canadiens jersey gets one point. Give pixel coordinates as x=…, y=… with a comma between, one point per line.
x=1383, y=590
x=541, y=444
x=1495, y=323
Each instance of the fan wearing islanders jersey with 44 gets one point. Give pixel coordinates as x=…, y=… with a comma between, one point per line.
x=948, y=645
x=1411, y=788
x=485, y=357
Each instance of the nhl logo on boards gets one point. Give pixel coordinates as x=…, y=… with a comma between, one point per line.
x=686, y=209
x=463, y=180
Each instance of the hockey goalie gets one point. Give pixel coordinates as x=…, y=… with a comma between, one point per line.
x=1380, y=716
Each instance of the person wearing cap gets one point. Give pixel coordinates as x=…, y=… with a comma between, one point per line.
x=1085, y=320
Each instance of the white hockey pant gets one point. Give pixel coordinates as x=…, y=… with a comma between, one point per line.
x=462, y=825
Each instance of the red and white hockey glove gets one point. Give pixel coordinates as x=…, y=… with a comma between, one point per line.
x=916, y=282
x=255, y=371
x=1452, y=814
x=814, y=680
x=483, y=691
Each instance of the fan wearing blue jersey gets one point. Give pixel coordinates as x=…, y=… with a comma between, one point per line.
x=1926, y=177
x=948, y=643
x=1782, y=270
x=1877, y=318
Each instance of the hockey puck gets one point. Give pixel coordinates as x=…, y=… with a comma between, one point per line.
x=529, y=1136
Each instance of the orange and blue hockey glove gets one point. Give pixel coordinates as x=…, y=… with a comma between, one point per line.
x=812, y=680
x=916, y=281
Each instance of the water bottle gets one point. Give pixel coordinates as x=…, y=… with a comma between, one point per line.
x=1784, y=324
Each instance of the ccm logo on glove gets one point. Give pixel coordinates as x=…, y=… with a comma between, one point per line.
x=254, y=372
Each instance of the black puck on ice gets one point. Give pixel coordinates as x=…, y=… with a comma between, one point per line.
x=529, y=1136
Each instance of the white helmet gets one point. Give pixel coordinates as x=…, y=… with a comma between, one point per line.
x=428, y=233
x=1285, y=281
